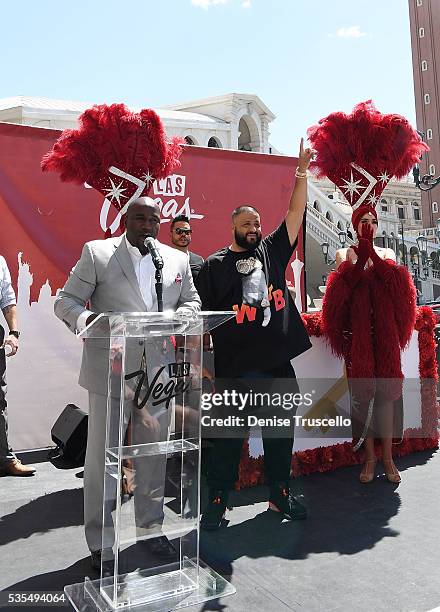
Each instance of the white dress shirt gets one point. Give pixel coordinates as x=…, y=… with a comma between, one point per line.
x=145, y=274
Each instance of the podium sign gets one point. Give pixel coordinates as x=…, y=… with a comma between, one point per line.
x=152, y=464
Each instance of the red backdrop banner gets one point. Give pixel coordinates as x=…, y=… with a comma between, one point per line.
x=49, y=221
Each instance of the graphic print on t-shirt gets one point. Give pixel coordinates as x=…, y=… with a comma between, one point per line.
x=246, y=311
x=254, y=286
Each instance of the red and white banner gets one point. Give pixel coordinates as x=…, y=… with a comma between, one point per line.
x=46, y=222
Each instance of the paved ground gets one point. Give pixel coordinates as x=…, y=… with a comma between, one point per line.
x=364, y=547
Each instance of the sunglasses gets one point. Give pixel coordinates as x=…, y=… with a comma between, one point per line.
x=179, y=231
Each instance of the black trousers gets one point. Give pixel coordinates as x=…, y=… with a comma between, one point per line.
x=225, y=453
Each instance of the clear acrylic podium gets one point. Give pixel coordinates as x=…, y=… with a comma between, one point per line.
x=152, y=464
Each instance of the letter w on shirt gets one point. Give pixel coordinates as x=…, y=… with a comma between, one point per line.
x=244, y=310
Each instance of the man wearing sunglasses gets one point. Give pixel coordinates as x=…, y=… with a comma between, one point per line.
x=181, y=232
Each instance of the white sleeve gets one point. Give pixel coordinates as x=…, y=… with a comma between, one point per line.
x=82, y=319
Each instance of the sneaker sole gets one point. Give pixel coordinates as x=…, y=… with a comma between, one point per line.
x=298, y=517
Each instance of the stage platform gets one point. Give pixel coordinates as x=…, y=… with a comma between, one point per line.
x=363, y=547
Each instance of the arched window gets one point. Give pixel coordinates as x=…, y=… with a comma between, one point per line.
x=416, y=211
x=329, y=216
x=189, y=140
x=214, y=143
x=248, y=135
x=316, y=206
x=424, y=66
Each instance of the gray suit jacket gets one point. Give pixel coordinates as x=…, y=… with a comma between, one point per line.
x=104, y=277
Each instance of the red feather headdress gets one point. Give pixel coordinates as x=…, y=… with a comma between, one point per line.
x=361, y=152
x=118, y=152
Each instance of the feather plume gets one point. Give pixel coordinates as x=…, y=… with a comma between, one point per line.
x=113, y=136
x=367, y=138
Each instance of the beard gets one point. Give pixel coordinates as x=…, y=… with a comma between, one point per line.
x=243, y=241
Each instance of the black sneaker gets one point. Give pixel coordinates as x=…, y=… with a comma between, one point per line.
x=215, y=510
x=161, y=547
x=281, y=500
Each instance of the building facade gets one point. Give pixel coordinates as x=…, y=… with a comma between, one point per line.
x=399, y=206
x=425, y=42
x=232, y=121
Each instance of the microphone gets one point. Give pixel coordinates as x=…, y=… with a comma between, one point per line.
x=151, y=247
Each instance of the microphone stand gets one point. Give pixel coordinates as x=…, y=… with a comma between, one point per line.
x=158, y=264
x=159, y=286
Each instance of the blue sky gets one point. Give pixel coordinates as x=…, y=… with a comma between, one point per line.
x=304, y=58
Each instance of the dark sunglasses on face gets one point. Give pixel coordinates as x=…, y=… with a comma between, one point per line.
x=180, y=230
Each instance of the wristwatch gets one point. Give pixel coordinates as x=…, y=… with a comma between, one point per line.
x=14, y=332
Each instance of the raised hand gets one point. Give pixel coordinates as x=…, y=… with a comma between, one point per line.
x=364, y=249
x=367, y=232
x=363, y=252
x=305, y=156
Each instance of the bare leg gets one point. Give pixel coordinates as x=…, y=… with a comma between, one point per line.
x=386, y=425
x=367, y=473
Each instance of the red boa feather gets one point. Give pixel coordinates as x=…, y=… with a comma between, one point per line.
x=113, y=136
x=367, y=138
x=386, y=306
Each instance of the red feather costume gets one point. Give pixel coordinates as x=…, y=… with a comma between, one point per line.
x=118, y=152
x=368, y=315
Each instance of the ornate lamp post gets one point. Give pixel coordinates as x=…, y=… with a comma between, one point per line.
x=427, y=181
x=325, y=247
x=422, y=245
x=342, y=238
x=401, y=231
x=416, y=277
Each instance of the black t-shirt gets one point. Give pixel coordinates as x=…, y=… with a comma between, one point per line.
x=268, y=330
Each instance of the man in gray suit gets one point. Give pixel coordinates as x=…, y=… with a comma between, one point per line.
x=118, y=275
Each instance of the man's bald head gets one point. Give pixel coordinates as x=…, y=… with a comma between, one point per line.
x=145, y=201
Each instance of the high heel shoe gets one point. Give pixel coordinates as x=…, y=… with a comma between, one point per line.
x=367, y=474
x=392, y=473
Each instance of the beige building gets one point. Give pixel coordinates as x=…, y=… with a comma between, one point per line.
x=232, y=121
